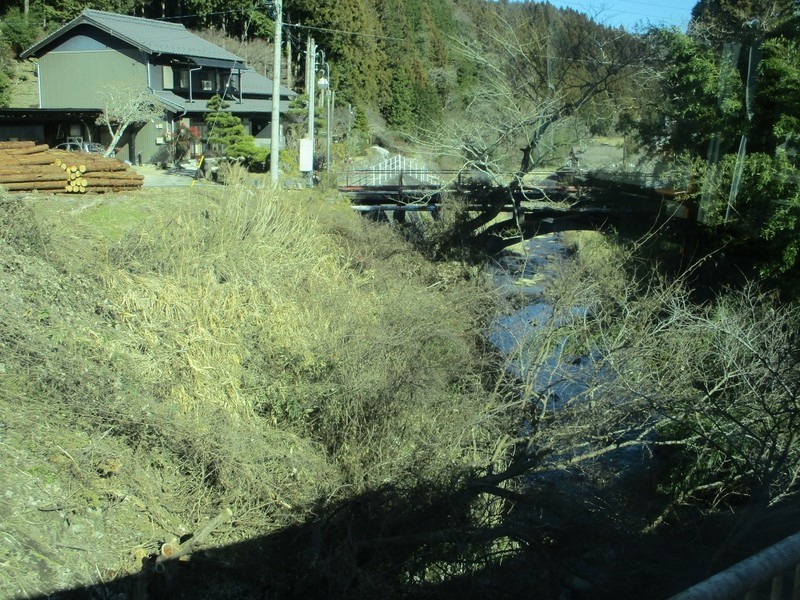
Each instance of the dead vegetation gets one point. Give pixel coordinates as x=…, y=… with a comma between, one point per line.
x=239, y=352
x=229, y=394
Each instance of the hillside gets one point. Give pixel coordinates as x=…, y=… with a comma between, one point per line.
x=24, y=86
x=395, y=58
x=167, y=359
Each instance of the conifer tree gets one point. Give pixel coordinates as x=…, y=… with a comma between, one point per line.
x=227, y=134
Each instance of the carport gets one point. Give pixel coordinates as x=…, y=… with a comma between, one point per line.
x=51, y=126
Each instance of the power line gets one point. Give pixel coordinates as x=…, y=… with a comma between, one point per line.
x=354, y=33
x=205, y=14
x=285, y=24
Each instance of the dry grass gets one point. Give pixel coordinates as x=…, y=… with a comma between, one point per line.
x=235, y=348
x=25, y=86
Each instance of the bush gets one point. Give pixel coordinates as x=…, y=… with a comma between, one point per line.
x=253, y=157
x=765, y=214
x=18, y=31
x=19, y=227
x=290, y=161
x=226, y=132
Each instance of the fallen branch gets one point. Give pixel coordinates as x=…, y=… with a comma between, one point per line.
x=173, y=550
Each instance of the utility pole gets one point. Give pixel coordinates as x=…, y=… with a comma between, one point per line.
x=274, y=151
x=311, y=82
x=290, y=71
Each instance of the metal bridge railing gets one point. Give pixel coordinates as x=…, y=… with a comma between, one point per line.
x=773, y=573
x=396, y=166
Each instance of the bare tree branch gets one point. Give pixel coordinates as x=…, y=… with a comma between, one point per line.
x=125, y=104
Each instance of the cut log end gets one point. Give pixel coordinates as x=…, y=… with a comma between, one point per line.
x=26, y=166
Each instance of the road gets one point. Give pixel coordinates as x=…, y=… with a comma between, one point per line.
x=173, y=177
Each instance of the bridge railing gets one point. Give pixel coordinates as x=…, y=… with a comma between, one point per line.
x=773, y=573
x=410, y=177
x=398, y=170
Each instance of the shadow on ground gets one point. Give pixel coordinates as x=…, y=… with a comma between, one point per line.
x=381, y=544
x=420, y=543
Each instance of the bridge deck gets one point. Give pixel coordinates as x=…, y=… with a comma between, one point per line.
x=432, y=194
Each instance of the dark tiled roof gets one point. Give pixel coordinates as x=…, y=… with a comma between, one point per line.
x=256, y=91
x=248, y=105
x=256, y=84
x=149, y=35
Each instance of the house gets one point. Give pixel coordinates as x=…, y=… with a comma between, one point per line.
x=182, y=71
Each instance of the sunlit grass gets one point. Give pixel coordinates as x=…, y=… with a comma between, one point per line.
x=256, y=350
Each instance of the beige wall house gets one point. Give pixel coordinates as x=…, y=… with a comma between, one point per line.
x=181, y=70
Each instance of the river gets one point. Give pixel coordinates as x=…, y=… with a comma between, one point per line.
x=526, y=274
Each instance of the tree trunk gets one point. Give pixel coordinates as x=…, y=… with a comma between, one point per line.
x=115, y=140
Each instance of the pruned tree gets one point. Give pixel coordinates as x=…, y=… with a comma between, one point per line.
x=227, y=134
x=622, y=362
x=124, y=105
x=537, y=71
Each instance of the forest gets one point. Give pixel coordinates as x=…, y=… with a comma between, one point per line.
x=304, y=403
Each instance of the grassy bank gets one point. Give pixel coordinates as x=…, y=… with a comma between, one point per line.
x=166, y=356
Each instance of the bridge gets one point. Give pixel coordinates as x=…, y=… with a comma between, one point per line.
x=561, y=200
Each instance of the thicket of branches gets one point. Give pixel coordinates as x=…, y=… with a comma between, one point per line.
x=717, y=382
x=543, y=79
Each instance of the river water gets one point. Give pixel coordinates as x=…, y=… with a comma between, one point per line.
x=526, y=274
x=557, y=383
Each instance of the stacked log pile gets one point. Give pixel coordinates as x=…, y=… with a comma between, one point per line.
x=27, y=166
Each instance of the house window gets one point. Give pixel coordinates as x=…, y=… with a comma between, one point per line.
x=166, y=74
x=181, y=77
x=207, y=85
x=230, y=84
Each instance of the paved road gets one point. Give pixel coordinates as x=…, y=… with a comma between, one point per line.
x=174, y=177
